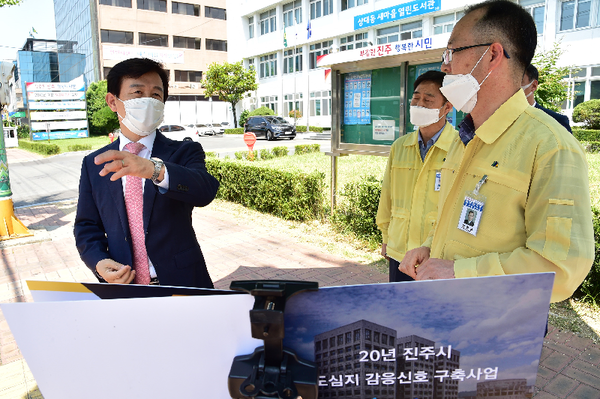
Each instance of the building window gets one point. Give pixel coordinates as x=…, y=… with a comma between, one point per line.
x=150, y=39
x=411, y=30
x=536, y=8
x=186, y=9
x=217, y=45
x=292, y=102
x=268, y=22
x=152, y=5
x=292, y=13
x=292, y=63
x=268, y=65
x=316, y=50
x=116, y=36
x=354, y=41
x=214, y=12
x=320, y=105
x=346, y=4
x=116, y=3
x=250, y=27
x=575, y=14
x=188, y=76
x=251, y=63
x=445, y=23
x=320, y=8
x=187, y=42
x=269, y=102
x=387, y=35
x=583, y=86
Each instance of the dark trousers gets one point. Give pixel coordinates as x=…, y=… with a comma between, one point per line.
x=395, y=274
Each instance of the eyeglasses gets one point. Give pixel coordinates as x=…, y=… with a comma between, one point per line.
x=447, y=54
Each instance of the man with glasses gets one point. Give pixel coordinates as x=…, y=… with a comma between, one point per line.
x=522, y=173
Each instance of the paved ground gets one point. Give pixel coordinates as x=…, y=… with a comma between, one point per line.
x=235, y=250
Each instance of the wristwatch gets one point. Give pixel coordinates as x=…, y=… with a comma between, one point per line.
x=158, y=164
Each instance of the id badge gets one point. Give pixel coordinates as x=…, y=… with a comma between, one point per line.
x=438, y=180
x=472, y=209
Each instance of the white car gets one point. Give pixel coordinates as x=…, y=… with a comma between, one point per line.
x=202, y=129
x=216, y=127
x=179, y=132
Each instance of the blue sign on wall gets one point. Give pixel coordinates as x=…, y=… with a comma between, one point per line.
x=401, y=11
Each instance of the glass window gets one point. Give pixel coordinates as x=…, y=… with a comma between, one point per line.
x=595, y=90
x=187, y=42
x=292, y=102
x=217, y=45
x=575, y=14
x=186, y=9
x=346, y=4
x=150, y=39
x=320, y=104
x=268, y=22
x=152, y=5
x=116, y=36
x=292, y=63
x=116, y=3
x=250, y=27
x=271, y=102
x=188, y=76
x=411, y=30
x=292, y=13
x=351, y=42
x=268, y=65
x=320, y=8
x=445, y=23
x=317, y=49
x=596, y=71
x=578, y=93
x=357, y=337
x=214, y=12
x=387, y=35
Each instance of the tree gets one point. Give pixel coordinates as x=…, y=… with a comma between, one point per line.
x=9, y=2
x=101, y=118
x=552, y=90
x=589, y=113
x=229, y=82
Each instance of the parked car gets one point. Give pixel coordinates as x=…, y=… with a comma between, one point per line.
x=202, y=129
x=216, y=127
x=270, y=127
x=226, y=125
x=179, y=133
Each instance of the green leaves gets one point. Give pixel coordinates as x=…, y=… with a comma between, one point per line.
x=552, y=90
x=589, y=113
x=102, y=119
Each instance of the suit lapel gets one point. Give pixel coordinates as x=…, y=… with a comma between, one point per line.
x=116, y=190
x=161, y=149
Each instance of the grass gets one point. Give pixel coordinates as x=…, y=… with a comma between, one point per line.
x=95, y=141
x=594, y=174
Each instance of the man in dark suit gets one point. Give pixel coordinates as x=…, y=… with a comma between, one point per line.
x=530, y=85
x=136, y=195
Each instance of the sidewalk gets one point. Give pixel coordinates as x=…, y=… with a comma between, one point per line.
x=236, y=250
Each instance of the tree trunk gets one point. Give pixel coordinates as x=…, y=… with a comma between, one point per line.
x=234, y=117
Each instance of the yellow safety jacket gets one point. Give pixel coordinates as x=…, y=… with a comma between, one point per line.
x=408, y=204
x=537, y=213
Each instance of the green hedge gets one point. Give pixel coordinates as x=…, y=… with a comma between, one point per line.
x=357, y=210
x=79, y=147
x=280, y=151
x=586, y=134
x=306, y=148
x=593, y=147
x=291, y=196
x=237, y=130
x=590, y=288
x=302, y=129
x=40, y=147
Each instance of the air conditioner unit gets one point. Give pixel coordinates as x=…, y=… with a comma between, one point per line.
x=193, y=85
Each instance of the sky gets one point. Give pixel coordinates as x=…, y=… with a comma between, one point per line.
x=17, y=21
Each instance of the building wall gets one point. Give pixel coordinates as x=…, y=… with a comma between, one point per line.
x=551, y=17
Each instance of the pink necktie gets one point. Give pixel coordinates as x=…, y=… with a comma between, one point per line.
x=134, y=202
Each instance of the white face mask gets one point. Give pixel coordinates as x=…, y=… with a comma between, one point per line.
x=461, y=90
x=527, y=87
x=423, y=117
x=142, y=115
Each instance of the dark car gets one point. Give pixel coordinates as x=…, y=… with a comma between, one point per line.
x=270, y=127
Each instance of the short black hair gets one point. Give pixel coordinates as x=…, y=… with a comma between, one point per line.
x=436, y=77
x=509, y=24
x=532, y=73
x=134, y=68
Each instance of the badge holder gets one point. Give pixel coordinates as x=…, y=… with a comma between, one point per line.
x=272, y=371
x=473, y=204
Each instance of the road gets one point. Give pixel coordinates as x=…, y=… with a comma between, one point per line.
x=56, y=178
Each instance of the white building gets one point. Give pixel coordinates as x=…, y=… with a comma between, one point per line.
x=289, y=78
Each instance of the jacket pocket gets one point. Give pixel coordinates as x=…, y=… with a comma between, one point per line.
x=398, y=229
x=558, y=238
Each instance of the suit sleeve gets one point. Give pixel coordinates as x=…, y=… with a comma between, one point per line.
x=189, y=181
x=90, y=236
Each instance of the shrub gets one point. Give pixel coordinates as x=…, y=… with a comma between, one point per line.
x=237, y=130
x=261, y=111
x=243, y=118
x=306, y=148
x=588, y=112
x=23, y=131
x=211, y=154
x=280, y=151
x=593, y=147
x=41, y=148
x=358, y=209
x=245, y=155
x=295, y=113
x=265, y=154
x=586, y=134
x=315, y=129
x=291, y=196
x=79, y=147
x=590, y=288
x=300, y=129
